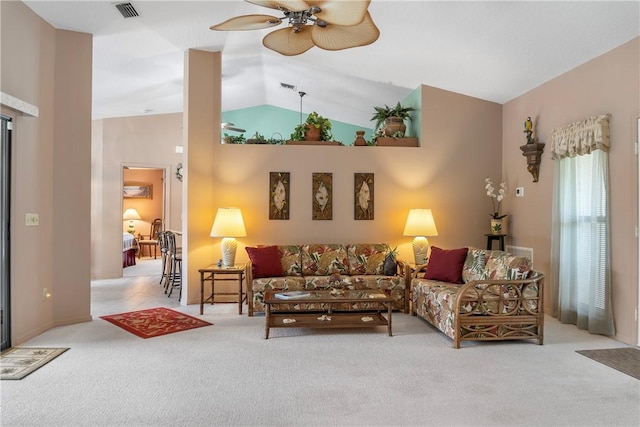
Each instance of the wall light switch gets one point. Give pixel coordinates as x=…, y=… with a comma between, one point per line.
x=31, y=219
x=520, y=192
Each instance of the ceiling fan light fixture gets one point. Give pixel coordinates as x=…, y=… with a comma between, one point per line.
x=336, y=25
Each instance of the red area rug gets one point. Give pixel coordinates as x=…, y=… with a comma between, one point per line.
x=154, y=322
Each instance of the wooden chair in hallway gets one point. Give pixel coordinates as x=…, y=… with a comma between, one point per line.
x=164, y=256
x=150, y=240
x=174, y=275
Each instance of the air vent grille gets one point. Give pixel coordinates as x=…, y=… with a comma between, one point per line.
x=127, y=10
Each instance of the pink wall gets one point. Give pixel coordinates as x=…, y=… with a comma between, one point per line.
x=50, y=69
x=607, y=84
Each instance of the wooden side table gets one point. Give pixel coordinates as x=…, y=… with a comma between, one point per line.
x=498, y=237
x=214, y=274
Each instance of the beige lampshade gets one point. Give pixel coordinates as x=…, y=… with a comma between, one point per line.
x=420, y=222
x=130, y=214
x=228, y=224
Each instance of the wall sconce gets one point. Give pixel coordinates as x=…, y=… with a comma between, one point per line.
x=179, y=172
x=228, y=224
x=130, y=215
x=532, y=150
x=420, y=223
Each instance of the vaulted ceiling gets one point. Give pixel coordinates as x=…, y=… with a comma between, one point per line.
x=490, y=50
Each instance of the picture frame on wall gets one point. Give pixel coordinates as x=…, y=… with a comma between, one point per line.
x=137, y=190
x=322, y=196
x=279, y=195
x=363, y=196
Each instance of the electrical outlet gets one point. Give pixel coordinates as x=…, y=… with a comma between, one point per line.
x=31, y=219
x=520, y=192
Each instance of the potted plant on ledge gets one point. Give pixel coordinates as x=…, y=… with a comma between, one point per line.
x=315, y=128
x=393, y=119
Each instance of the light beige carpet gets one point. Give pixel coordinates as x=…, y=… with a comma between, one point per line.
x=17, y=363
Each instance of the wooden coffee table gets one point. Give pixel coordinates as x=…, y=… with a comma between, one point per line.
x=325, y=317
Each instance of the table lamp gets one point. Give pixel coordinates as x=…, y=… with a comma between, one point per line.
x=228, y=224
x=420, y=224
x=131, y=214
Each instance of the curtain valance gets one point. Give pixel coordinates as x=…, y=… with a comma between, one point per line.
x=580, y=138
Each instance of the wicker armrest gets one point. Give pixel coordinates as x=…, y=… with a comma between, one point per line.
x=501, y=297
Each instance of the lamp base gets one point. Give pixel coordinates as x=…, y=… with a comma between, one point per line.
x=420, y=249
x=132, y=228
x=229, y=246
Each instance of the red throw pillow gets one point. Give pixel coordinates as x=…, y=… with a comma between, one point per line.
x=446, y=264
x=265, y=261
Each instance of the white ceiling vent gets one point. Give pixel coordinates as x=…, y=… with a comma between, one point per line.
x=127, y=10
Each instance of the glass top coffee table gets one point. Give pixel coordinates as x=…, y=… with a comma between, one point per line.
x=321, y=312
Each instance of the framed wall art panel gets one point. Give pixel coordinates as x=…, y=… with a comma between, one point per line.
x=322, y=196
x=279, y=195
x=363, y=196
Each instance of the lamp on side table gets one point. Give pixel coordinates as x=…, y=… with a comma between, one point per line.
x=228, y=225
x=420, y=224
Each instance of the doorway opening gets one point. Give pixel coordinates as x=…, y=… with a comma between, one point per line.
x=144, y=191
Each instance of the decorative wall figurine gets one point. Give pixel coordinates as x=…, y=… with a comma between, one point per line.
x=528, y=130
x=532, y=150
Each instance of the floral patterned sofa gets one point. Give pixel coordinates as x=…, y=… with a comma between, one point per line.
x=311, y=266
x=480, y=295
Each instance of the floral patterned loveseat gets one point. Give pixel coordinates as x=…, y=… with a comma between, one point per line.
x=499, y=297
x=310, y=267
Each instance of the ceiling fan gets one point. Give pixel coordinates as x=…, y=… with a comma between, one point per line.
x=328, y=24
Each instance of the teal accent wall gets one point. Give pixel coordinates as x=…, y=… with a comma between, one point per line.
x=275, y=122
x=414, y=99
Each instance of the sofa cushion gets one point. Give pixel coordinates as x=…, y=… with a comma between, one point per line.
x=367, y=258
x=324, y=260
x=502, y=265
x=265, y=261
x=446, y=264
x=473, y=268
x=290, y=260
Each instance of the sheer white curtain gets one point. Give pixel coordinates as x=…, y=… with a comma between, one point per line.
x=580, y=255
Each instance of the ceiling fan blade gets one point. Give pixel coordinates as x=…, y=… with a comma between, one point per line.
x=247, y=22
x=337, y=37
x=284, y=5
x=289, y=43
x=337, y=12
x=231, y=127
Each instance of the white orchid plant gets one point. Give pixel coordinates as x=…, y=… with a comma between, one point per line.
x=496, y=199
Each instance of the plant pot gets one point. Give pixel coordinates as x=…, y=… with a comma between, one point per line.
x=393, y=125
x=312, y=133
x=496, y=226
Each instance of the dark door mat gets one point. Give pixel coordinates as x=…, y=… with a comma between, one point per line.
x=624, y=359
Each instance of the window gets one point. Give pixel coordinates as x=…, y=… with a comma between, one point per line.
x=580, y=240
